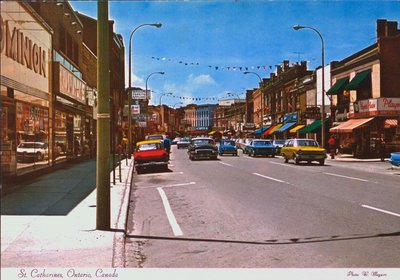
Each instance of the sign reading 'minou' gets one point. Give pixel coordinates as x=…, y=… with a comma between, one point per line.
x=21, y=48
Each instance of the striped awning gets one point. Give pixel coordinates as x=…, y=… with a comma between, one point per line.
x=273, y=129
x=391, y=123
x=296, y=128
x=350, y=125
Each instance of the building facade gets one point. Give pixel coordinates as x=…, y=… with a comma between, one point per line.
x=366, y=96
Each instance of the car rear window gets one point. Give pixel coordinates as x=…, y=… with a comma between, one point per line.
x=307, y=143
x=149, y=147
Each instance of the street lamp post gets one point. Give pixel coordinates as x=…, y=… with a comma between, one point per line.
x=158, y=25
x=262, y=96
x=297, y=27
x=147, y=107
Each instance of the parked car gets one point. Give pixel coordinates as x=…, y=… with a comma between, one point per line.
x=279, y=143
x=32, y=151
x=202, y=147
x=227, y=147
x=303, y=150
x=154, y=137
x=244, y=144
x=395, y=159
x=261, y=147
x=150, y=154
x=183, y=143
x=175, y=140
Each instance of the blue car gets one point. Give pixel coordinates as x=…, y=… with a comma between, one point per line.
x=395, y=159
x=227, y=147
x=261, y=147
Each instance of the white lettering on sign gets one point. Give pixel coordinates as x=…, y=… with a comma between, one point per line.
x=71, y=85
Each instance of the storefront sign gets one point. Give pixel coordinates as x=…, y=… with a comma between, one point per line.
x=69, y=84
x=375, y=107
x=140, y=94
x=135, y=109
x=25, y=47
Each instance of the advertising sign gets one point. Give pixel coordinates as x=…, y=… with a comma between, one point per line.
x=135, y=109
x=140, y=94
x=376, y=107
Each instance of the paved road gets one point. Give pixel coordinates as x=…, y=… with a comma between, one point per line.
x=259, y=212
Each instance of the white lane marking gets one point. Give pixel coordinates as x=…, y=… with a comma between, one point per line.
x=171, y=218
x=227, y=164
x=347, y=177
x=283, y=164
x=277, y=180
x=380, y=210
x=160, y=174
x=167, y=186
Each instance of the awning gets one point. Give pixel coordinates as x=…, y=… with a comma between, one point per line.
x=349, y=125
x=357, y=80
x=312, y=128
x=260, y=130
x=338, y=86
x=216, y=131
x=390, y=123
x=296, y=128
x=273, y=129
x=285, y=127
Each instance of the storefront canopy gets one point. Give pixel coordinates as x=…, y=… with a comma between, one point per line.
x=296, y=128
x=349, y=125
x=338, y=86
x=357, y=80
x=272, y=129
x=260, y=130
x=312, y=128
x=216, y=131
x=285, y=127
x=390, y=123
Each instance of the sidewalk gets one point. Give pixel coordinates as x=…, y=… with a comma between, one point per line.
x=51, y=222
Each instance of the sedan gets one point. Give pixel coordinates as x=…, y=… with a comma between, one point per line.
x=303, y=150
x=150, y=154
x=32, y=150
x=202, y=148
x=261, y=147
x=183, y=143
x=227, y=147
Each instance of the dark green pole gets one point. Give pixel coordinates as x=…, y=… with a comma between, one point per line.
x=103, y=119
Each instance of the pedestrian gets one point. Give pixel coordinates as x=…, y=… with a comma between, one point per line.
x=332, y=146
x=167, y=144
x=382, y=148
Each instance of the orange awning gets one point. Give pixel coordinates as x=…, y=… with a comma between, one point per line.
x=349, y=125
x=390, y=123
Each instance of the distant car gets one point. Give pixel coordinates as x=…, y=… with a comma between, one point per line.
x=202, y=148
x=32, y=151
x=244, y=144
x=175, y=140
x=150, y=154
x=303, y=150
x=261, y=147
x=395, y=159
x=227, y=147
x=183, y=143
x=154, y=137
x=279, y=144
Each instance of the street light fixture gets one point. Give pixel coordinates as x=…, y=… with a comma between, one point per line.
x=262, y=96
x=298, y=27
x=147, y=80
x=158, y=25
x=173, y=107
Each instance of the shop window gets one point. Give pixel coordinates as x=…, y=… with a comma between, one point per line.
x=365, y=89
x=32, y=129
x=60, y=135
x=8, y=143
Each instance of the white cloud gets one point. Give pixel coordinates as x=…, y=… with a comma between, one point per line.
x=201, y=80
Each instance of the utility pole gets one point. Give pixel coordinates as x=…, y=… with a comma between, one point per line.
x=103, y=119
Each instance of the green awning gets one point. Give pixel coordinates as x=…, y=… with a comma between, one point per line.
x=357, y=80
x=312, y=128
x=338, y=86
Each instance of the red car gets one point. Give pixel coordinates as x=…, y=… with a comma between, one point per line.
x=150, y=154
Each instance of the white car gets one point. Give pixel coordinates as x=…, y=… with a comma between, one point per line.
x=32, y=150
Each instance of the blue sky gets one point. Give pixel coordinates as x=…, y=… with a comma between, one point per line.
x=202, y=44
